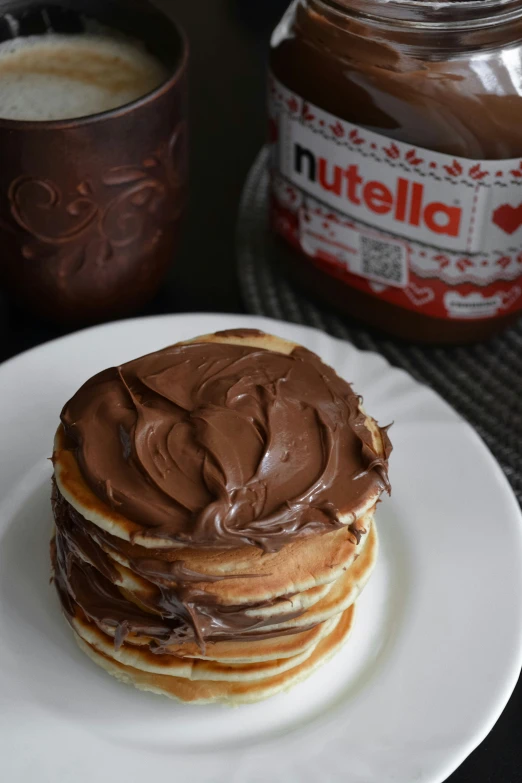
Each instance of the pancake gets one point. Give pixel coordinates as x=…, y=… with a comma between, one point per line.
x=340, y=595
x=145, y=594
x=374, y=442
x=192, y=668
x=214, y=506
x=252, y=651
x=301, y=565
x=344, y=593
x=226, y=692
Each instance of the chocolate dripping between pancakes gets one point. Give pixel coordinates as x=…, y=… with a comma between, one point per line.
x=85, y=576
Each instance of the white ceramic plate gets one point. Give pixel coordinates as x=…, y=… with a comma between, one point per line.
x=434, y=656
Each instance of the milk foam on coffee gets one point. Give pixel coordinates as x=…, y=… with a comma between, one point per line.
x=57, y=76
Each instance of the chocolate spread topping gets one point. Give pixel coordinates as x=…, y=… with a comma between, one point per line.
x=214, y=444
x=239, y=333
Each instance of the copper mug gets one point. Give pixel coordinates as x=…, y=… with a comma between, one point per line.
x=90, y=208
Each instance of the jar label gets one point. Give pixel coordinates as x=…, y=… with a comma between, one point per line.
x=421, y=229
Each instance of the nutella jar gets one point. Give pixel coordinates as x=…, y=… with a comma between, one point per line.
x=396, y=135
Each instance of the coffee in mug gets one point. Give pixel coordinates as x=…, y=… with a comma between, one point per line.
x=93, y=154
x=60, y=76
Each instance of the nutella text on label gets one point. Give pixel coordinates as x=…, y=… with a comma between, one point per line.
x=381, y=193
x=404, y=200
x=422, y=229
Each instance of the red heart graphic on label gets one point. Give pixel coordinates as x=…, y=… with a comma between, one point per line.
x=510, y=297
x=419, y=296
x=508, y=218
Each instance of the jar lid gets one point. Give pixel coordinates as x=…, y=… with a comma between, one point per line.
x=432, y=13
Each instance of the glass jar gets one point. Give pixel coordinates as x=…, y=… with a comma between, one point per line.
x=396, y=132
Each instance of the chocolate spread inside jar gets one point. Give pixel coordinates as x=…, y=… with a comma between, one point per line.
x=396, y=132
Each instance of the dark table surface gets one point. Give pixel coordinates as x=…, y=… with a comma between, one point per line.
x=229, y=41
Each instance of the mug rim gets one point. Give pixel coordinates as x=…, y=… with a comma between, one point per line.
x=118, y=111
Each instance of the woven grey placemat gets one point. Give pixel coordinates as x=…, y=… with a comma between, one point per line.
x=483, y=382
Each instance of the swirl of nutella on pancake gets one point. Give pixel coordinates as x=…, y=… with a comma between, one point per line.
x=220, y=444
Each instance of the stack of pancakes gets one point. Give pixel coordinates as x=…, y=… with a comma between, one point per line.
x=214, y=506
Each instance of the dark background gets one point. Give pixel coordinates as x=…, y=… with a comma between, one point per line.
x=229, y=40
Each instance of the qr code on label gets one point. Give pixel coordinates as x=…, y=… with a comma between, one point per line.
x=383, y=261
